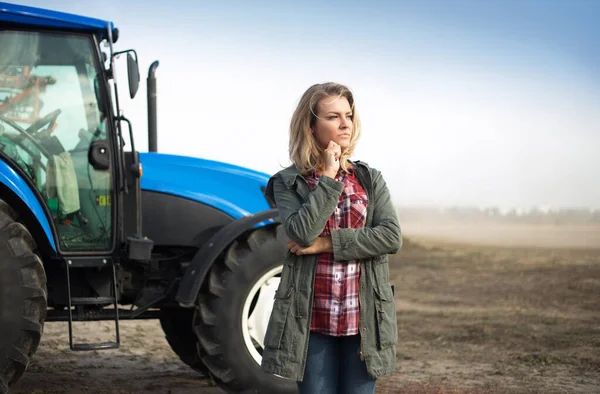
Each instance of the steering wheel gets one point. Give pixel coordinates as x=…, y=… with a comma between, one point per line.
x=49, y=119
x=25, y=135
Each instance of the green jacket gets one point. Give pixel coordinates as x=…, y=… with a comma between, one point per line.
x=304, y=214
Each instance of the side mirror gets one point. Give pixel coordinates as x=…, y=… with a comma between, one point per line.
x=133, y=72
x=99, y=155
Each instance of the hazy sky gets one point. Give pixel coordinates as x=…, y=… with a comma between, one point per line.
x=462, y=102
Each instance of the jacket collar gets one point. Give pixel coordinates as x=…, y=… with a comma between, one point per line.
x=289, y=174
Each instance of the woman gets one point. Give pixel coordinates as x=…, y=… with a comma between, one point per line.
x=333, y=325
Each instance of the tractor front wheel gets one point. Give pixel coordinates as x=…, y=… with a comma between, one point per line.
x=234, y=309
x=23, y=299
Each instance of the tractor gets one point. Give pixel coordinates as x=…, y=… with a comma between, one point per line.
x=91, y=229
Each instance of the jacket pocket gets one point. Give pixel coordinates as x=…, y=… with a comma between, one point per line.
x=385, y=319
x=281, y=310
x=381, y=269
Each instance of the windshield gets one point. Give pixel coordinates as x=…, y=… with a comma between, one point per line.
x=41, y=73
x=50, y=113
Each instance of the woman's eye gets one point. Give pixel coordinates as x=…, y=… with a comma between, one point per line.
x=332, y=117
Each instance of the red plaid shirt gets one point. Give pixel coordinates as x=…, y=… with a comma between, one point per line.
x=336, y=304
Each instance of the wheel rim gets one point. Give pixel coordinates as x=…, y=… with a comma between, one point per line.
x=257, y=310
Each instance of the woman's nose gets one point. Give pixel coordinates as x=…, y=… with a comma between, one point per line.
x=345, y=122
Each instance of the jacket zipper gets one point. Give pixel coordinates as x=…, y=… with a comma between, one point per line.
x=367, y=184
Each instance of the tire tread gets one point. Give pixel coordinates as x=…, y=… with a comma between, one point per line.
x=227, y=276
x=17, y=248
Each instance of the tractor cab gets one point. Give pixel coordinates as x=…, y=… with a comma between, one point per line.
x=52, y=115
x=56, y=124
x=59, y=131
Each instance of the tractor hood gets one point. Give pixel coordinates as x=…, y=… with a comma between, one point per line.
x=237, y=191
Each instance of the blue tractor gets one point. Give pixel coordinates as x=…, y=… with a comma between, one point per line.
x=91, y=229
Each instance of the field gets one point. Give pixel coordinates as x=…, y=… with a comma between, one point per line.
x=481, y=309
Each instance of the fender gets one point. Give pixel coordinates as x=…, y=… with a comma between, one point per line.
x=204, y=258
x=20, y=195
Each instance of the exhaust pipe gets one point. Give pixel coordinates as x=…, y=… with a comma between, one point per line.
x=151, y=90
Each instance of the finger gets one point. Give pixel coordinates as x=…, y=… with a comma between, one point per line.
x=303, y=249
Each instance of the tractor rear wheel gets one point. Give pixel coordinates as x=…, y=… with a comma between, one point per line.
x=177, y=324
x=233, y=311
x=23, y=299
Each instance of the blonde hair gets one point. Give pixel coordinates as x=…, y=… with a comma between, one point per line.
x=304, y=150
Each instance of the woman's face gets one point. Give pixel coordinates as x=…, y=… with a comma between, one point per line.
x=334, y=122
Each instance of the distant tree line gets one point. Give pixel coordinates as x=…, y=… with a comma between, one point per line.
x=494, y=214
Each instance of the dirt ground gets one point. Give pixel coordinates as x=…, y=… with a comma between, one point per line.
x=480, y=310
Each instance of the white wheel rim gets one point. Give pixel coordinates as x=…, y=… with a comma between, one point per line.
x=254, y=323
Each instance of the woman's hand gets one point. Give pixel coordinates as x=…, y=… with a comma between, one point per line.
x=321, y=245
x=331, y=159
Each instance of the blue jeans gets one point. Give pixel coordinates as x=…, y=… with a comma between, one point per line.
x=334, y=366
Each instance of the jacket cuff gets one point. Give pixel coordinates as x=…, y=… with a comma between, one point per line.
x=341, y=240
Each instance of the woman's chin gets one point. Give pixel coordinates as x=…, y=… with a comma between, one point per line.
x=343, y=143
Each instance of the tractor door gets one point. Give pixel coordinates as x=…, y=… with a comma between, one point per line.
x=54, y=127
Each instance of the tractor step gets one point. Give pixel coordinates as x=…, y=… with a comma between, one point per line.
x=92, y=300
x=95, y=346
x=80, y=302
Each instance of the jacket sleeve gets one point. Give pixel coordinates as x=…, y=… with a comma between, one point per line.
x=304, y=221
x=383, y=237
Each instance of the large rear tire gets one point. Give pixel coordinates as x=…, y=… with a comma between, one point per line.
x=233, y=311
x=23, y=299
